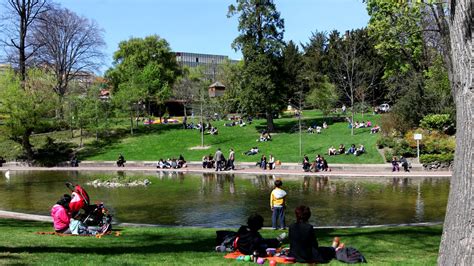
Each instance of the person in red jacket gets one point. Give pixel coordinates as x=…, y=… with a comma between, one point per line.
x=61, y=215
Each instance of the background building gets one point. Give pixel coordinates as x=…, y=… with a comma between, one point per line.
x=208, y=62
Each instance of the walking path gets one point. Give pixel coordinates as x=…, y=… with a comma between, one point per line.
x=292, y=169
x=43, y=218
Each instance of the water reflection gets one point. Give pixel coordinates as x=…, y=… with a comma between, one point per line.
x=212, y=199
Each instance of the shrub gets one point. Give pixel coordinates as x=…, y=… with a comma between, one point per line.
x=441, y=122
x=384, y=141
x=433, y=142
x=403, y=148
x=388, y=155
x=53, y=153
x=392, y=125
x=442, y=158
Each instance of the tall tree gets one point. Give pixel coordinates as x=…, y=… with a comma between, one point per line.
x=261, y=42
x=28, y=105
x=67, y=44
x=146, y=64
x=21, y=15
x=457, y=243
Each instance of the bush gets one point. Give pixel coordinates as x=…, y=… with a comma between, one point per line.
x=441, y=122
x=403, y=148
x=53, y=153
x=384, y=141
x=442, y=158
x=388, y=155
x=433, y=142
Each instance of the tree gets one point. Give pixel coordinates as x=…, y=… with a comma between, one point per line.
x=21, y=16
x=457, y=243
x=187, y=87
x=323, y=95
x=28, y=105
x=352, y=69
x=260, y=40
x=68, y=45
x=231, y=75
x=454, y=24
x=144, y=64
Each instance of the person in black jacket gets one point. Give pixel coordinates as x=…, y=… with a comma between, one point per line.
x=304, y=245
x=250, y=242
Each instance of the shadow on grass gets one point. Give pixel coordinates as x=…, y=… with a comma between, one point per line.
x=292, y=126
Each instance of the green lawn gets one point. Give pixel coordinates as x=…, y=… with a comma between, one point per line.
x=193, y=246
x=163, y=141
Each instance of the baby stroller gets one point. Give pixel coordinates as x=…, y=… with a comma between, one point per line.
x=94, y=214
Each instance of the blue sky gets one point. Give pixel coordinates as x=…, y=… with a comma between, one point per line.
x=202, y=26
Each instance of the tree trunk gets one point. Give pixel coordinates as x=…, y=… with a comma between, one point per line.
x=457, y=241
x=270, y=124
x=131, y=122
x=27, y=147
x=81, y=144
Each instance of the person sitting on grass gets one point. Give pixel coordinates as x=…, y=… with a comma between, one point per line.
x=351, y=150
x=318, y=130
x=331, y=151
x=360, y=150
x=250, y=242
x=213, y=131
x=304, y=246
x=342, y=149
x=375, y=129
x=310, y=130
x=61, y=215
x=325, y=125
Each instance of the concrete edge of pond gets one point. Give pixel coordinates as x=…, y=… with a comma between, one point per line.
x=43, y=218
x=366, y=170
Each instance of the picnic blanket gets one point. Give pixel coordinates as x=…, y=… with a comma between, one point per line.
x=277, y=259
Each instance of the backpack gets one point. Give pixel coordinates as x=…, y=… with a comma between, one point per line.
x=350, y=255
x=226, y=239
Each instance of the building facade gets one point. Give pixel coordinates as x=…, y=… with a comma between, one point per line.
x=208, y=62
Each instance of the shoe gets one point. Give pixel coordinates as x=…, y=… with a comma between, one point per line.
x=281, y=237
x=335, y=242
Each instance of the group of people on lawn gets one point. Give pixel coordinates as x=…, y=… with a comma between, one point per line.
x=207, y=126
x=342, y=150
x=304, y=246
x=317, y=129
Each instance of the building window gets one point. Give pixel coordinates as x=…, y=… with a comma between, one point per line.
x=197, y=59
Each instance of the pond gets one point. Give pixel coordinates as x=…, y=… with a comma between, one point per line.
x=213, y=200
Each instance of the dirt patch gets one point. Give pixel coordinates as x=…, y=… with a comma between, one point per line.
x=200, y=148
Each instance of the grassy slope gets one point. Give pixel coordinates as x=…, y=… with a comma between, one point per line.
x=186, y=246
x=165, y=141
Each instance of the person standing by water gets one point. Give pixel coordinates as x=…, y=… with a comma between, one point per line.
x=230, y=162
x=277, y=205
x=218, y=157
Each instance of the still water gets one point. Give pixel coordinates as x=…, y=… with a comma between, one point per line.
x=213, y=200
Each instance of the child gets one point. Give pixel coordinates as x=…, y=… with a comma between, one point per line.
x=395, y=166
x=249, y=240
x=277, y=204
